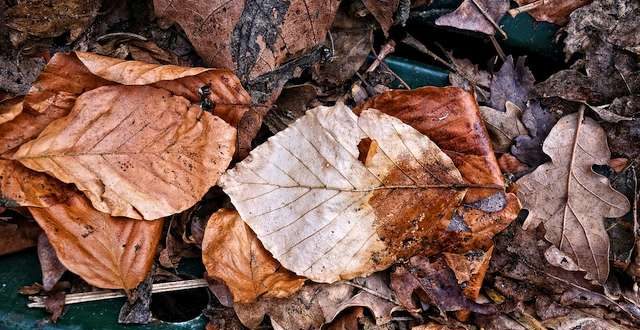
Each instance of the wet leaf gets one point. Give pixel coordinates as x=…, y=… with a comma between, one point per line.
x=554, y=11
x=434, y=283
x=107, y=252
x=135, y=151
x=327, y=213
x=569, y=198
x=504, y=126
x=251, y=37
x=511, y=83
x=38, y=19
x=450, y=117
x=52, y=268
x=468, y=17
x=232, y=253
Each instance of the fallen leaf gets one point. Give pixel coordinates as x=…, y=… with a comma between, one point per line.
x=348, y=320
x=450, y=117
x=137, y=308
x=317, y=304
x=134, y=150
x=569, y=198
x=107, y=252
x=383, y=11
x=37, y=19
x=305, y=192
x=539, y=122
x=291, y=105
x=622, y=230
x=17, y=235
x=10, y=109
x=553, y=11
x=509, y=164
x=250, y=37
x=469, y=76
x=504, y=126
x=54, y=304
x=52, y=269
x=20, y=186
x=512, y=82
x=16, y=76
x=435, y=284
x=580, y=320
x=232, y=253
x=468, y=17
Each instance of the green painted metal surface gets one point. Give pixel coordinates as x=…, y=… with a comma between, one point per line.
x=22, y=268
x=417, y=74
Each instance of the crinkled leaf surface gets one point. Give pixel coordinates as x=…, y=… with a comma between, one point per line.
x=135, y=151
x=20, y=186
x=107, y=252
x=569, y=198
x=554, y=11
x=9, y=109
x=232, y=253
x=383, y=11
x=468, y=17
x=511, y=83
x=327, y=215
x=251, y=37
x=504, y=126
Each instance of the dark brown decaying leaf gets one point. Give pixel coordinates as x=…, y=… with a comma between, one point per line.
x=17, y=235
x=136, y=310
x=52, y=269
x=554, y=11
x=232, y=253
x=450, y=117
x=38, y=19
x=107, y=252
x=16, y=77
x=468, y=17
x=250, y=37
x=511, y=83
x=291, y=105
x=538, y=121
x=569, y=198
x=54, y=304
x=434, y=283
x=383, y=11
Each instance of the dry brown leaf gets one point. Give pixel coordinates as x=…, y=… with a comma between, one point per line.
x=17, y=235
x=468, y=17
x=251, y=37
x=107, y=252
x=383, y=11
x=135, y=151
x=450, y=117
x=569, y=198
x=20, y=186
x=329, y=211
x=504, y=126
x=232, y=253
x=51, y=267
x=10, y=109
x=554, y=11
x=43, y=19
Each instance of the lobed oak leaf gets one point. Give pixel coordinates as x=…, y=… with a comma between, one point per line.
x=328, y=211
x=107, y=252
x=135, y=151
x=569, y=198
x=232, y=253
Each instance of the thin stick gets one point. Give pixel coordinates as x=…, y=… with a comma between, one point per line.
x=402, y=82
x=499, y=50
x=488, y=17
x=385, y=50
x=121, y=34
x=76, y=298
x=525, y=8
x=373, y=292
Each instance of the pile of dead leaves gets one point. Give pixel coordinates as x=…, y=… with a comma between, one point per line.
x=265, y=138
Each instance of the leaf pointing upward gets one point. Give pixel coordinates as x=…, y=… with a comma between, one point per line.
x=569, y=198
x=327, y=215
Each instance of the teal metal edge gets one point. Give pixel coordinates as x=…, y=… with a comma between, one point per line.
x=417, y=74
x=22, y=269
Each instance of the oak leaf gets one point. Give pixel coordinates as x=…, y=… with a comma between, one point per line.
x=250, y=37
x=328, y=211
x=512, y=82
x=504, y=126
x=135, y=151
x=107, y=252
x=569, y=198
x=232, y=253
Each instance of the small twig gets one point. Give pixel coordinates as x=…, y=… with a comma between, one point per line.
x=373, y=292
x=385, y=50
x=120, y=35
x=525, y=8
x=76, y=298
x=499, y=50
x=488, y=17
x=402, y=82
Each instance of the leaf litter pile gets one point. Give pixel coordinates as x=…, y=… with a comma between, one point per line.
x=271, y=143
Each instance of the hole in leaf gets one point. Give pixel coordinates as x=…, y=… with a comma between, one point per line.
x=179, y=306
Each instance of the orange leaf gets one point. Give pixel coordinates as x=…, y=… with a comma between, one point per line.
x=24, y=187
x=107, y=252
x=232, y=253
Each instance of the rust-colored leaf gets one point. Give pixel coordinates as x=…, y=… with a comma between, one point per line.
x=232, y=253
x=553, y=11
x=9, y=109
x=250, y=37
x=17, y=235
x=468, y=17
x=450, y=117
x=20, y=186
x=107, y=252
x=328, y=214
x=135, y=151
x=383, y=11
